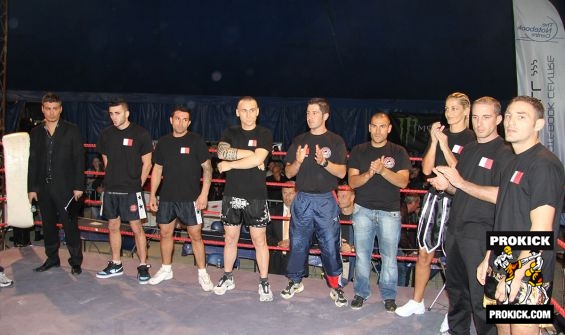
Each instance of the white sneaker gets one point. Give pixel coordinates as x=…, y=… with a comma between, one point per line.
x=225, y=284
x=265, y=293
x=411, y=307
x=5, y=281
x=161, y=275
x=205, y=282
x=444, y=328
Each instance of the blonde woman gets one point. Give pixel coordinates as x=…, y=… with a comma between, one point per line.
x=444, y=147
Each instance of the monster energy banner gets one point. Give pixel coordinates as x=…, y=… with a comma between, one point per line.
x=412, y=130
x=540, y=65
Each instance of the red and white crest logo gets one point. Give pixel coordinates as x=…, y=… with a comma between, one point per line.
x=133, y=208
x=389, y=162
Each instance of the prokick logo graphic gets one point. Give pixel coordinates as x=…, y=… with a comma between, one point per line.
x=538, y=32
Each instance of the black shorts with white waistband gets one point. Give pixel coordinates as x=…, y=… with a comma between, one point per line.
x=126, y=206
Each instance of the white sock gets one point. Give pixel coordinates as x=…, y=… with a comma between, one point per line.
x=201, y=271
x=167, y=268
x=117, y=262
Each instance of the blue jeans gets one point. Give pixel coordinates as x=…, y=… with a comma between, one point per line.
x=404, y=271
x=368, y=223
x=314, y=214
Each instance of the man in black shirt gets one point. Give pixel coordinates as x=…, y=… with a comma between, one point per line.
x=528, y=198
x=179, y=158
x=244, y=149
x=56, y=181
x=377, y=170
x=126, y=151
x=317, y=159
x=482, y=163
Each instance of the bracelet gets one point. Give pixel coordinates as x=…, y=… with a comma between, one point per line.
x=325, y=163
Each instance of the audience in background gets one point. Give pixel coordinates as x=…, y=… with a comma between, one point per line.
x=346, y=203
x=94, y=187
x=277, y=176
x=278, y=231
x=408, y=245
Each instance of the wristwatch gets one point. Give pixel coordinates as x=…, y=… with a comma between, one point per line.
x=325, y=163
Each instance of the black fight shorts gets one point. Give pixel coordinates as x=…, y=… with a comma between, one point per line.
x=182, y=210
x=126, y=206
x=251, y=213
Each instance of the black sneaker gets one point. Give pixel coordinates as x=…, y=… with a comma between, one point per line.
x=357, y=302
x=338, y=297
x=291, y=289
x=390, y=305
x=143, y=275
x=111, y=270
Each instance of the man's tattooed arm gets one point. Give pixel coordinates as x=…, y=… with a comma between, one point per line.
x=226, y=152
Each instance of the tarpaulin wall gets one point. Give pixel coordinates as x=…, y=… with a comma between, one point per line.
x=286, y=117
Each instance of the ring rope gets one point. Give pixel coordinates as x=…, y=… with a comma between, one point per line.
x=157, y=237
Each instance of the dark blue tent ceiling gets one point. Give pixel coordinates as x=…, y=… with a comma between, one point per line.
x=363, y=49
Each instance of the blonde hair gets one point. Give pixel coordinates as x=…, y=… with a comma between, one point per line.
x=489, y=101
x=464, y=100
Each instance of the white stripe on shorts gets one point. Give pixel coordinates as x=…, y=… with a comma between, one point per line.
x=141, y=206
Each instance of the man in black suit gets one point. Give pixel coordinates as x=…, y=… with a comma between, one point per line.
x=278, y=230
x=56, y=181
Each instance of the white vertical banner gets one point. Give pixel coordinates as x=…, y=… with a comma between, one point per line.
x=540, y=65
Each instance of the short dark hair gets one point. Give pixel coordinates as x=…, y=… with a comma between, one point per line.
x=323, y=103
x=247, y=98
x=534, y=102
x=119, y=102
x=379, y=114
x=181, y=109
x=50, y=97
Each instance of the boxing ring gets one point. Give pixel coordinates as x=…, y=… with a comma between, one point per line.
x=180, y=305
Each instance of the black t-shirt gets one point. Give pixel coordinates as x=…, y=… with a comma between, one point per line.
x=533, y=179
x=312, y=177
x=124, y=149
x=378, y=193
x=247, y=183
x=181, y=158
x=456, y=142
x=481, y=164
